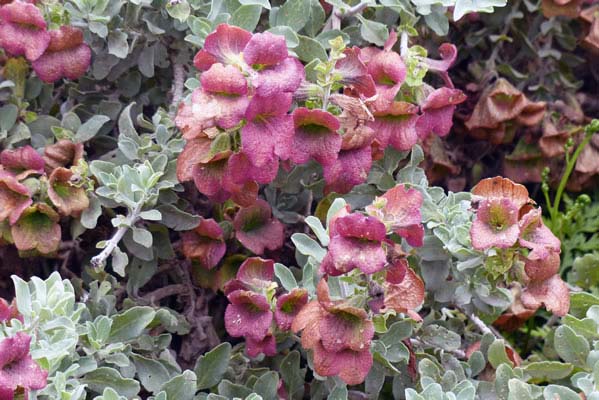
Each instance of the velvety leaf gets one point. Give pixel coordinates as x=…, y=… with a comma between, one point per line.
x=211, y=367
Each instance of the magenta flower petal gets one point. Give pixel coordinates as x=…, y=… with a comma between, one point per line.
x=396, y=125
x=256, y=272
x=240, y=171
x=351, y=366
x=361, y=226
x=542, y=267
x=286, y=77
x=315, y=136
x=448, y=53
x=438, y=111
x=67, y=56
x=204, y=60
x=288, y=306
x=14, y=198
x=495, y=225
x=399, y=209
x=553, y=293
x=23, y=30
x=388, y=72
x=248, y=315
x=354, y=73
x=225, y=80
x=17, y=368
x=209, y=110
x=225, y=44
x=535, y=235
x=195, y=152
x=265, y=49
x=350, y=169
x=205, y=244
x=267, y=346
x=269, y=128
x=22, y=159
x=208, y=178
x=257, y=229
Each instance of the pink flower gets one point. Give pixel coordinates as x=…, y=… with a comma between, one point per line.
x=535, y=235
x=396, y=125
x=339, y=335
x=288, y=305
x=448, y=53
x=257, y=229
x=354, y=73
x=14, y=198
x=248, y=315
x=37, y=229
x=254, y=274
x=67, y=197
x=315, y=137
x=17, y=368
x=22, y=160
x=204, y=244
x=356, y=242
x=406, y=295
x=267, y=346
x=553, y=293
x=438, y=110
x=495, y=224
x=399, y=209
x=351, y=168
x=23, y=30
x=268, y=129
x=224, y=45
x=67, y=56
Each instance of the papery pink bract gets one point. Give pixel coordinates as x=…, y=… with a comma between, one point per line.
x=195, y=152
x=351, y=168
x=37, y=229
x=204, y=244
x=356, y=242
x=539, y=267
x=224, y=45
x=535, y=235
x=224, y=79
x=285, y=76
x=257, y=229
x=350, y=365
x=267, y=346
x=240, y=170
x=14, y=198
x=396, y=125
x=23, y=30
x=256, y=273
x=247, y=315
x=438, y=109
x=268, y=129
x=553, y=293
x=288, y=306
x=405, y=296
x=388, y=72
x=265, y=49
x=354, y=73
x=22, y=159
x=315, y=137
x=67, y=197
x=399, y=209
x=67, y=56
x=495, y=224
x=17, y=368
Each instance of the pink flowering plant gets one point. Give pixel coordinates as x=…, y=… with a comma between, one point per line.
x=214, y=200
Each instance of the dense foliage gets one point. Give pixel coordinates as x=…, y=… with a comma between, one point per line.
x=299, y=199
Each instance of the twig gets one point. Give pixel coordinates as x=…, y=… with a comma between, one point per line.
x=458, y=353
x=480, y=324
x=165, y=291
x=132, y=217
x=178, y=85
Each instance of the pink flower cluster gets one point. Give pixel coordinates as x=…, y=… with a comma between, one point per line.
x=506, y=219
x=54, y=54
x=251, y=312
x=338, y=333
x=239, y=127
x=34, y=226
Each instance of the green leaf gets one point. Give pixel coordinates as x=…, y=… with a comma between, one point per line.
x=438, y=336
x=181, y=387
x=104, y=377
x=316, y=20
x=8, y=116
x=293, y=375
x=373, y=32
x=262, y=3
x=319, y=230
x=310, y=49
x=131, y=323
x=211, y=367
x=120, y=260
x=90, y=128
x=308, y=246
x=497, y=354
x=290, y=36
x=266, y=385
x=294, y=14
x=580, y=302
x=117, y=44
x=152, y=374
x=142, y=236
x=463, y=7
x=151, y=215
x=177, y=219
x=246, y=16
x=570, y=346
x=548, y=370
x=285, y=276
x=560, y=392
x=180, y=10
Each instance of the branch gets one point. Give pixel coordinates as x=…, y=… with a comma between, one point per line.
x=178, y=85
x=457, y=353
x=165, y=291
x=480, y=324
x=132, y=217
